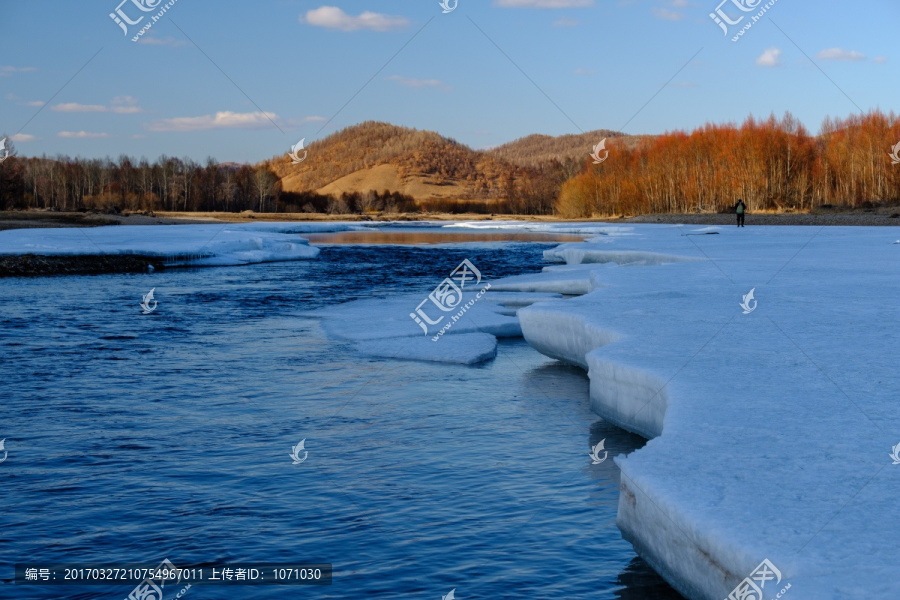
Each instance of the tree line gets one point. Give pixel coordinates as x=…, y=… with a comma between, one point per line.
x=772, y=164
x=170, y=184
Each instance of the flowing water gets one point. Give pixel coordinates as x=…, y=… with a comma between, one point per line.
x=134, y=438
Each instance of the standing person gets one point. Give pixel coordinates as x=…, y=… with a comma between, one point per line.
x=739, y=209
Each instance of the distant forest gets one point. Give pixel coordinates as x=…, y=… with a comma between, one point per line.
x=773, y=164
x=168, y=184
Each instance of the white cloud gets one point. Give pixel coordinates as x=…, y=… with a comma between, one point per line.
x=666, y=14
x=23, y=137
x=222, y=120
x=75, y=107
x=543, y=3
x=81, y=134
x=6, y=70
x=771, y=57
x=333, y=17
x=583, y=71
x=880, y=59
x=120, y=105
x=35, y=103
x=840, y=54
x=565, y=22
x=418, y=83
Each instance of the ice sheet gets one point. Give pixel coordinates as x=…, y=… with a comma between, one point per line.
x=771, y=430
x=200, y=245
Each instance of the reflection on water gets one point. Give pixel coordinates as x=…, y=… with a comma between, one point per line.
x=407, y=238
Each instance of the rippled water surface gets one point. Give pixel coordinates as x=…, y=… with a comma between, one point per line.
x=134, y=438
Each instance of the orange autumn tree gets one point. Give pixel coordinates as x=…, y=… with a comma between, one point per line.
x=773, y=164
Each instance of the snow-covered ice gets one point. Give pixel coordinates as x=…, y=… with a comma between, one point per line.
x=463, y=348
x=383, y=326
x=198, y=245
x=771, y=430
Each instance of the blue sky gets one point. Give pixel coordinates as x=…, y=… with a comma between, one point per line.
x=199, y=80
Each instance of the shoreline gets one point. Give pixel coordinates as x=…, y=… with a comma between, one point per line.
x=885, y=216
x=36, y=264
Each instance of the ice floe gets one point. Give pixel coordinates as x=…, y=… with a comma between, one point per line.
x=384, y=327
x=463, y=348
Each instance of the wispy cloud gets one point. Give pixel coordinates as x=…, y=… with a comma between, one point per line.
x=841, y=54
x=221, y=120
x=17, y=99
x=880, y=60
x=583, y=71
x=771, y=57
x=543, y=3
x=23, y=137
x=120, y=105
x=76, y=107
x=666, y=14
x=418, y=83
x=682, y=84
x=124, y=105
x=82, y=134
x=5, y=71
x=566, y=22
x=333, y=17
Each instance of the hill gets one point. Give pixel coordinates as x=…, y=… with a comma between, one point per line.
x=381, y=156
x=536, y=150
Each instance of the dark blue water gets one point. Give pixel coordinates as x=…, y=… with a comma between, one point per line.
x=134, y=438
